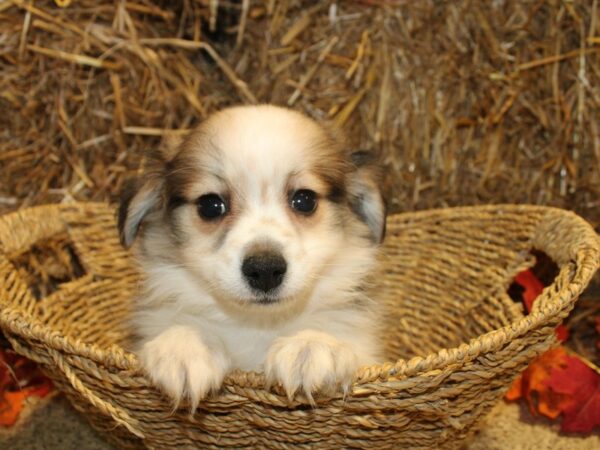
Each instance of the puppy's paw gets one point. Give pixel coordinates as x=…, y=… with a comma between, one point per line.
x=312, y=361
x=182, y=365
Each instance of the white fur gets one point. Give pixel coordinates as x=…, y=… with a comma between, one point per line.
x=312, y=361
x=179, y=361
x=197, y=317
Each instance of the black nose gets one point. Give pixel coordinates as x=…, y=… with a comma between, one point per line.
x=264, y=271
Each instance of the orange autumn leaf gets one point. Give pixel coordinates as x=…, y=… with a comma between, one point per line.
x=532, y=384
x=12, y=403
x=515, y=392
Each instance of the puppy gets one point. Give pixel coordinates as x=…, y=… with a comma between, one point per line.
x=255, y=234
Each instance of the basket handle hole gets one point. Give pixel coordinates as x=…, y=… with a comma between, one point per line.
x=48, y=264
x=545, y=270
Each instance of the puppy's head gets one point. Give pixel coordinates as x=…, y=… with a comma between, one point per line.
x=262, y=206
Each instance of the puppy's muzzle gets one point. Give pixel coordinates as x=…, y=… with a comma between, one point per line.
x=264, y=271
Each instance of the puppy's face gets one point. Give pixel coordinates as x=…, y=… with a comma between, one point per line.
x=260, y=204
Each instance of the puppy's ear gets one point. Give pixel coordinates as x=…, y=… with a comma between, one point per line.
x=140, y=197
x=137, y=200
x=364, y=194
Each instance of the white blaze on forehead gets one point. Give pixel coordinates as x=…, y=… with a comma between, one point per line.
x=263, y=144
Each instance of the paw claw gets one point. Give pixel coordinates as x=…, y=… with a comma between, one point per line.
x=183, y=366
x=311, y=361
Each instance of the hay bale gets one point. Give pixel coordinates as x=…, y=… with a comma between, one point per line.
x=467, y=102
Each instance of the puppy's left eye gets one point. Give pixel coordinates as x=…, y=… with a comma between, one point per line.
x=211, y=207
x=304, y=201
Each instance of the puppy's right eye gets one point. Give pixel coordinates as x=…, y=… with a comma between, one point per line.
x=211, y=207
x=304, y=201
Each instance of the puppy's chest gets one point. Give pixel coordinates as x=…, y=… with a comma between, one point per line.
x=247, y=347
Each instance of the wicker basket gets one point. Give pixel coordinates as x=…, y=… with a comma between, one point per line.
x=455, y=339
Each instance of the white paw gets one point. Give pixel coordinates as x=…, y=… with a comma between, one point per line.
x=312, y=361
x=182, y=365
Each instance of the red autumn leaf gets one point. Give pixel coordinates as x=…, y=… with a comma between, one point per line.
x=19, y=380
x=532, y=288
x=579, y=387
x=562, y=333
x=598, y=330
x=555, y=384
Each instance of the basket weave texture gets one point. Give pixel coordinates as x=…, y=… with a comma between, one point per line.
x=454, y=338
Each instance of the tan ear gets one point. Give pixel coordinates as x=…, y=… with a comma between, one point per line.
x=137, y=201
x=140, y=197
x=364, y=193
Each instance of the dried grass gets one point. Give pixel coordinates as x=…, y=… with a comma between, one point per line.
x=466, y=101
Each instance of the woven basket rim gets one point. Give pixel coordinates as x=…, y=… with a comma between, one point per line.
x=20, y=322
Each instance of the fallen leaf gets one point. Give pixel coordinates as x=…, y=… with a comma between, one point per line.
x=532, y=288
x=12, y=403
x=532, y=384
x=562, y=333
x=11, y=406
x=578, y=386
x=556, y=383
x=598, y=330
x=19, y=379
x=515, y=392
